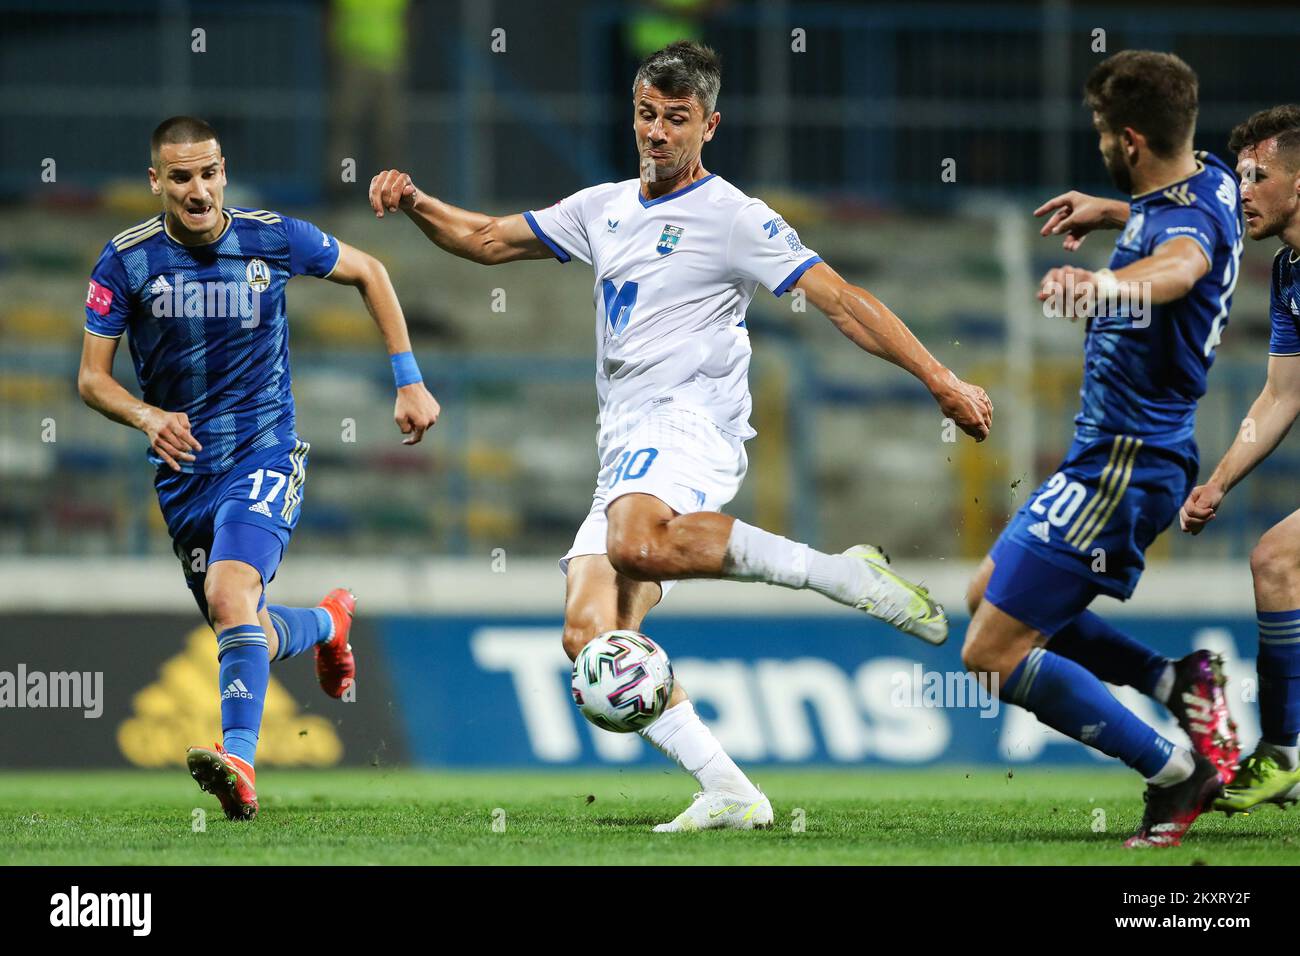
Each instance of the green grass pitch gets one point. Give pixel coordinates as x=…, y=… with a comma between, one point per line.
x=384, y=816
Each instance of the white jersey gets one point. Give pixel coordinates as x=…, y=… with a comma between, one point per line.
x=674, y=276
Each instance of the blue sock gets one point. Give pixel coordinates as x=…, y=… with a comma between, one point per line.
x=299, y=628
x=1068, y=698
x=245, y=670
x=1279, y=677
x=1110, y=654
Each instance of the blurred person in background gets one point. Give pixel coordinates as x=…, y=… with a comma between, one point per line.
x=368, y=47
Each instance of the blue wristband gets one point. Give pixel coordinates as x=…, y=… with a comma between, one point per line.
x=405, y=371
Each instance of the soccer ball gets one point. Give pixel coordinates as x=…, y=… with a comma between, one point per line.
x=622, y=681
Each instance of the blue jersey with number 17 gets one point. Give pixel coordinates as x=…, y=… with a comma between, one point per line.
x=1143, y=374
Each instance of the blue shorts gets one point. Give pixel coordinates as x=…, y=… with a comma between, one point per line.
x=1091, y=521
x=244, y=514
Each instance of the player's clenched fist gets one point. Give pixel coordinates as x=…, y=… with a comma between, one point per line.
x=1070, y=292
x=1200, y=508
x=169, y=436
x=416, y=412
x=966, y=404
x=391, y=190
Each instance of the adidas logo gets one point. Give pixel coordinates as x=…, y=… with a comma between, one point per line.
x=261, y=508
x=236, y=688
x=1295, y=309
x=160, y=286
x=1042, y=531
x=177, y=706
x=1090, y=732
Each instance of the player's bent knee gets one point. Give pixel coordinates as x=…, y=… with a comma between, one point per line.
x=231, y=595
x=978, y=584
x=1274, y=559
x=634, y=558
x=981, y=650
x=580, y=627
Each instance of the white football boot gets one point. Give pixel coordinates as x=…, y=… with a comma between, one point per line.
x=721, y=809
x=898, y=601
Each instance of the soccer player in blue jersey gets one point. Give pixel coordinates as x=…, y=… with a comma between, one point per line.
x=1268, y=159
x=1154, y=319
x=200, y=290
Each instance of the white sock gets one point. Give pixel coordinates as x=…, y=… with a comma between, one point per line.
x=681, y=736
x=1165, y=684
x=1286, y=756
x=1177, y=768
x=756, y=555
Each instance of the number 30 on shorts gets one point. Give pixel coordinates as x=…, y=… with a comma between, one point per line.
x=633, y=464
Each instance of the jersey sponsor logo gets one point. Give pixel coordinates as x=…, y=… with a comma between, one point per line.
x=619, y=303
x=1228, y=191
x=258, y=274
x=160, y=286
x=773, y=226
x=668, y=239
x=99, y=298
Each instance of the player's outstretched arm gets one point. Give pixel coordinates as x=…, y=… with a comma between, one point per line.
x=1166, y=275
x=872, y=327
x=168, y=432
x=416, y=409
x=489, y=240
x=1267, y=423
x=1076, y=214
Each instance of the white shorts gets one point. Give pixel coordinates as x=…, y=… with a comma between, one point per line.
x=679, y=456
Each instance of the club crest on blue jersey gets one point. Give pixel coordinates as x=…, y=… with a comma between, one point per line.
x=668, y=239
x=1132, y=230
x=259, y=275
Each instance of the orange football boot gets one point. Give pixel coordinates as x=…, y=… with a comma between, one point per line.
x=228, y=778
x=336, y=668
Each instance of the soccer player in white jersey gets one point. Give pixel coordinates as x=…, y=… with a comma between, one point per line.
x=678, y=254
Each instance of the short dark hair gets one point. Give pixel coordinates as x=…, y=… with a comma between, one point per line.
x=684, y=68
x=1154, y=93
x=1280, y=121
x=180, y=129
